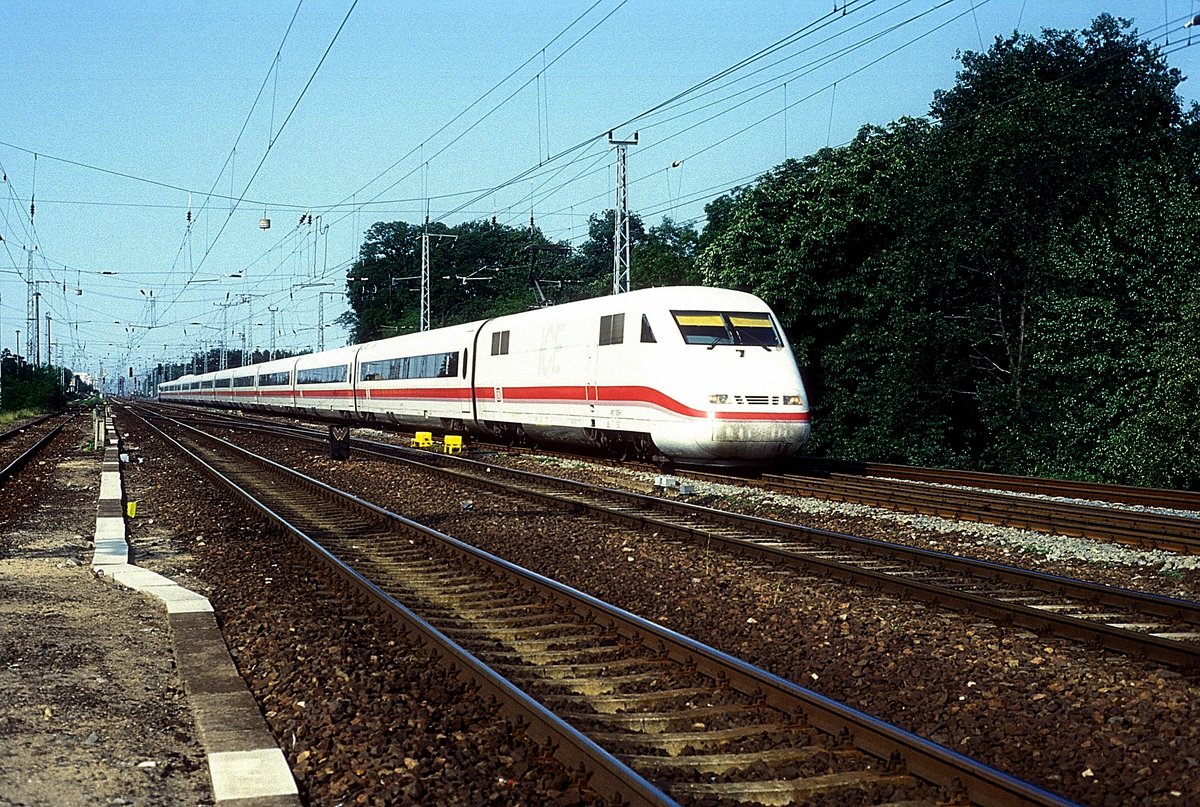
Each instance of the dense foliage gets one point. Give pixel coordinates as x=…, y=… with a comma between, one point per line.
x=1007, y=284
x=24, y=387
x=484, y=269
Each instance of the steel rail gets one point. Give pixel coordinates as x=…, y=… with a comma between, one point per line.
x=608, y=774
x=1065, y=488
x=13, y=432
x=1173, y=653
x=10, y=470
x=1137, y=528
x=638, y=509
x=921, y=757
x=1139, y=645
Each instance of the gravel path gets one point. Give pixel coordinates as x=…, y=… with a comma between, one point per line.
x=92, y=712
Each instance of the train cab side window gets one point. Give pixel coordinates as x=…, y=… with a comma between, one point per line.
x=612, y=329
x=647, y=331
x=500, y=343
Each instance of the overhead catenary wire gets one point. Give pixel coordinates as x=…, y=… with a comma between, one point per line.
x=356, y=206
x=994, y=107
x=761, y=120
x=548, y=179
x=659, y=143
x=267, y=152
x=649, y=147
x=761, y=54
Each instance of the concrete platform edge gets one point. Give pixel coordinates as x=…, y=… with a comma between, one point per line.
x=246, y=766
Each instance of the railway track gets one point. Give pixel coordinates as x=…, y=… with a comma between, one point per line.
x=20, y=445
x=655, y=717
x=17, y=430
x=1142, y=529
x=926, y=491
x=1064, y=488
x=1147, y=626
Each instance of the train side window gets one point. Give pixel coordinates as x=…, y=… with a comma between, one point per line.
x=449, y=365
x=500, y=343
x=280, y=379
x=429, y=365
x=612, y=329
x=322, y=375
x=647, y=331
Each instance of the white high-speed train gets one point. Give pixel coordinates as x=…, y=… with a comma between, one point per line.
x=690, y=374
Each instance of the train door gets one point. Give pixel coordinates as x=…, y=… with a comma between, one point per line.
x=466, y=400
x=605, y=366
x=592, y=380
x=355, y=390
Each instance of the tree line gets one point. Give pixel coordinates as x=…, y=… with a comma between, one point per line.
x=27, y=388
x=1008, y=283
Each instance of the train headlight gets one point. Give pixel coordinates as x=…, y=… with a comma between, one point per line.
x=791, y=400
x=718, y=398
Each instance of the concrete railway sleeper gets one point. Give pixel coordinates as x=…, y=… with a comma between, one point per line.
x=1149, y=626
x=692, y=722
x=1142, y=529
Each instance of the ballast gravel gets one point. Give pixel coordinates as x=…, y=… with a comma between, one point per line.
x=1095, y=727
x=362, y=712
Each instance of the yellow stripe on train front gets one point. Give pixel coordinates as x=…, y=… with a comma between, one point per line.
x=710, y=320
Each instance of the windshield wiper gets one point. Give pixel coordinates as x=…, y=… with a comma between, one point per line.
x=748, y=339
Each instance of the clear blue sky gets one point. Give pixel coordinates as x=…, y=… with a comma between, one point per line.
x=156, y=94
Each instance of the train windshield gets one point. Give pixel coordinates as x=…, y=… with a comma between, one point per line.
x=712, y=328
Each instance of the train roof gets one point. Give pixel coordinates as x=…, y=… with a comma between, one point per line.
x=665, y=297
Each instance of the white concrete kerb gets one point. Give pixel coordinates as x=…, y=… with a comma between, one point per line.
x=251, y=774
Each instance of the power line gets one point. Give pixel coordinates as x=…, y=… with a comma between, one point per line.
x=267, y=152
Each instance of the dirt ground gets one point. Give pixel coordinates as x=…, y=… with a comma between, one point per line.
x=92, y=711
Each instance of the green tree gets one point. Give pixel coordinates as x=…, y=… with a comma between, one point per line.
x=1005, y=284
x=588, y=272
x=26, y=387
x=665, y=257
x=823, y=241
x=376, y=288
x=477, y=270
x=1042, y=146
